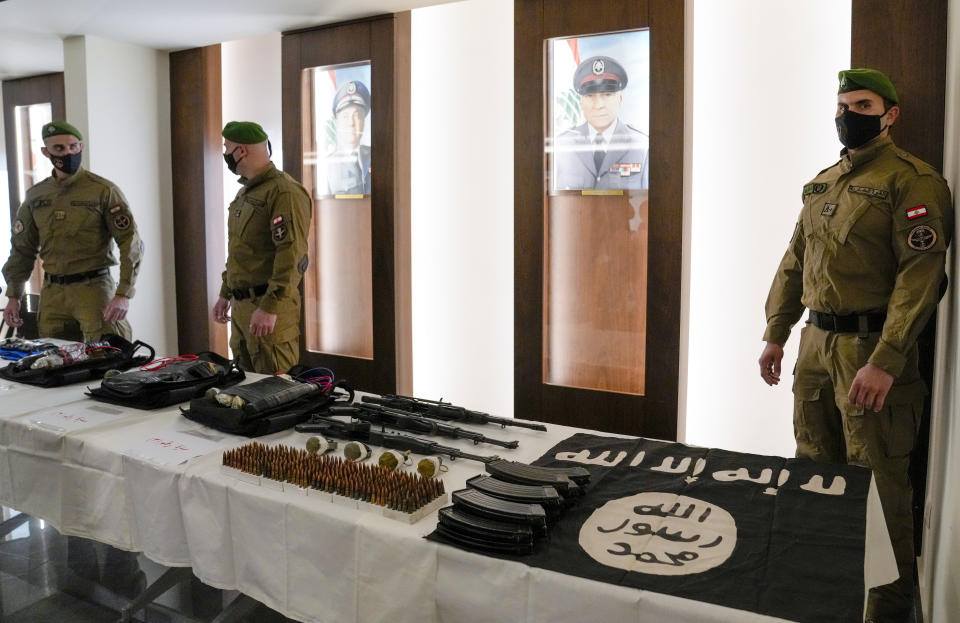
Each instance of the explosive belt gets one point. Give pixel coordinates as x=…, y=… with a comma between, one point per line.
x=165, y=382
x=114, y=353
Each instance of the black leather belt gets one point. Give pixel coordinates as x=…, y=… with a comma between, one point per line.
x=871, y=322
x=239, y=294
x=75, y=277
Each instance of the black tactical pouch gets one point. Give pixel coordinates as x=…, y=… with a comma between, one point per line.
x=269, y=405
x=112, y=353
x=165, y=382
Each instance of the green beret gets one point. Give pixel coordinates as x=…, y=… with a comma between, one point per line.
x=244, y=132
x=56, y=128
x=870, y=79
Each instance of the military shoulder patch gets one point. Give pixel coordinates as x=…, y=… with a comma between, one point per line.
x=814, y=189
x=922, y=238
x=279, y=232
x=121, y=221
x=916, y=212
x=303, y=263
x=17, y=226
x=116, y=209
x=829, y=209
x=277, y=220
x=876, y=193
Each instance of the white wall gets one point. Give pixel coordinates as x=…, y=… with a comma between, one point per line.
x=764, y=89
x=4, y=198
x=250, y=84
x=118, y=95
x=462, y=203
x=940, y=563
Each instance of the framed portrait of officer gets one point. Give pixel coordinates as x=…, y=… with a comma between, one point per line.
x=341, y=97
x=599, y=137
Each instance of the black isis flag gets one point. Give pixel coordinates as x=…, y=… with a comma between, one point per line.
x=775, y=536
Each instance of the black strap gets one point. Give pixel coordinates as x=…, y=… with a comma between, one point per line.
x=75, y=277
x=871, y=322
x=240, y=294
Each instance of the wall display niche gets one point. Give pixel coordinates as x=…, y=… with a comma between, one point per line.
x=346, y=129
x=598, y=188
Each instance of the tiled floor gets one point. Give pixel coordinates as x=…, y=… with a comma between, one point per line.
x=48, y=578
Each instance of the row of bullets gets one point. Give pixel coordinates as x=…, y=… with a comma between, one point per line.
x=401, y=491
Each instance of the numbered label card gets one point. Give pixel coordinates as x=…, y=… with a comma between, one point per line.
x=76, y=416
x=171, y=447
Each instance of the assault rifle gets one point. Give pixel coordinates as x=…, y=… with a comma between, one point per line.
x=439, y=410
x=394, y=418
x=363, y=431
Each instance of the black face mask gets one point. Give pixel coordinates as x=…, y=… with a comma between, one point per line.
x=855, y=129
x=231, y=161
x=68, y=164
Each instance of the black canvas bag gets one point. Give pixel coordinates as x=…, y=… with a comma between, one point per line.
x=119, y=355
x=271, y=404
x=178, y=379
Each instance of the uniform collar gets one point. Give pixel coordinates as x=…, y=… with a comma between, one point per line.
x=850, y=161
x=269, y=172
x=71, y=179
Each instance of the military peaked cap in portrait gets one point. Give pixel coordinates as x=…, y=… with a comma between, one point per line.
x=869, y=79
x=353, y=92
x=244, y=132
x=599, y=74
x=56, y=128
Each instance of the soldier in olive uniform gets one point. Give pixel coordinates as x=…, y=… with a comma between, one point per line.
x=266, y=255
x=603, y=152
x=348, y=165
x=867, y=259
x=71, y=218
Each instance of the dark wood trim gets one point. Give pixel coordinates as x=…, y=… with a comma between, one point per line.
x=655, y=413
x=359, y=20
x=384, y=41
x=24, y=92
x=195, y=124
x=907, y=40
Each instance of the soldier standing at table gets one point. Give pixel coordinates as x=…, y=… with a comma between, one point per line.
x=266, y=255
x=71, y=219
x=867, y=259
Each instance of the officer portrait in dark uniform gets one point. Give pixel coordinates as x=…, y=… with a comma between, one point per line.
x=603, y=152
x=348, y=165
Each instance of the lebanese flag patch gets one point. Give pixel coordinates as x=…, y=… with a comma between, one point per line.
x=916, y=212
x=279, y=219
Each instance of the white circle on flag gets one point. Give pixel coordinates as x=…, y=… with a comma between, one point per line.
x=659, y=534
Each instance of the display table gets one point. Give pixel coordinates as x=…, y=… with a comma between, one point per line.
x=307, y=558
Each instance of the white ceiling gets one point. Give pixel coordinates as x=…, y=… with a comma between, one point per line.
x=31, y=30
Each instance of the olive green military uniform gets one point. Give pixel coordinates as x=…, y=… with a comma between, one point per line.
x=267, y=252
x=871, y=238
x=71, y=222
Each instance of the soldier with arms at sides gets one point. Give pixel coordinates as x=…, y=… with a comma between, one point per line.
x=867, y=259
x=71, y=219
x=267, y=231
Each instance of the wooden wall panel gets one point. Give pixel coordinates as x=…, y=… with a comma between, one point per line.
x=198, y=201
x=653, y=414
x=24, y=92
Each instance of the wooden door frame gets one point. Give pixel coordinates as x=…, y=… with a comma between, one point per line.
x=655, y=413
x=385, y=41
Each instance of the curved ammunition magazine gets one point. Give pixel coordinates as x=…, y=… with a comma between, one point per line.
x=564, y=479
x=546, y=496
x=481, y=504
x=483, y=528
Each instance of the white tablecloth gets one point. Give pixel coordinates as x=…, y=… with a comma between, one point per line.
x=308, y=558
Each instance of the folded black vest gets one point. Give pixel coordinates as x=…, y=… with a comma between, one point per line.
x=118, y=355
x=167, y=382
x=269, y=405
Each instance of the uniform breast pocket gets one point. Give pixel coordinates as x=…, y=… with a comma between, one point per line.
x=76, y=219
x=864, y=218
x=244, y=216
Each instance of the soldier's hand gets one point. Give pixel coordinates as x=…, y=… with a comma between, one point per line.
x=221, y=310
x=870, y=387
x=262, y=323
x=116, y=309
x=11, y=313
x=770, y=360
